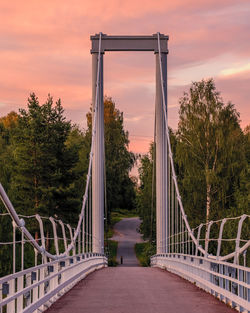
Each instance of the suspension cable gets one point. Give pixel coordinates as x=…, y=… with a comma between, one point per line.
x=170, y=151
x=20, y=222
x=153, y=184
x=184, y=216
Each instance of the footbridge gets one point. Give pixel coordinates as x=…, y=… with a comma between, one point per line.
x=67, y=268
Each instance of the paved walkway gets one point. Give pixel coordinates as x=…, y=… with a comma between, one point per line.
x=133, y=289
x=136, y=290
x=126, y=233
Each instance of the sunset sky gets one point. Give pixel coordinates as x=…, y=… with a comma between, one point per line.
x=45, y=48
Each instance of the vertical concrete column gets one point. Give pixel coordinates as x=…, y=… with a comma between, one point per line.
x=161, y=159
x=98, y=161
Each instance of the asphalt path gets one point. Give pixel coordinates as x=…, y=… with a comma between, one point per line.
x=127, y=234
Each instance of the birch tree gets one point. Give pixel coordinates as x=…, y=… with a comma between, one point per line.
x=209, y=151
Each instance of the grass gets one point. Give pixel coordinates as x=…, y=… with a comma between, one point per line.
x=112, y=248
x=117, y=216
x=144, y=251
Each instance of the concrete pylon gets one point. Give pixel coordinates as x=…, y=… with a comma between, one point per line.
x=161, y=159
x=98, y=160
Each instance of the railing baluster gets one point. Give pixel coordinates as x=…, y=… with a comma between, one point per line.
x=20, y=299
x=11, y=305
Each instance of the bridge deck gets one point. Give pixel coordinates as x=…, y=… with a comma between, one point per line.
x=133, y=289
x=136, y=290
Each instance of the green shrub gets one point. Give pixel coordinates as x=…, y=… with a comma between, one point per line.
x=144, y=251
x=112, y=252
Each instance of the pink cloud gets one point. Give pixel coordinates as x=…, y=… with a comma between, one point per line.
x=235, y=88
x=45, y=48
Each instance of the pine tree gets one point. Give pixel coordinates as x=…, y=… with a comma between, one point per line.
x=42, y=163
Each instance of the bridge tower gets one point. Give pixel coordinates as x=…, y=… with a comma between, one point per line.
x=98, y=158
x=162, y=169
x=131, y=43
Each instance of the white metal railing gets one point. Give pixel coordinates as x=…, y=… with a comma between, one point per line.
x=229, y=282
x=37, y=288
x=179, y=241
x=20, y=223
x=188, y=255
x=63, y=265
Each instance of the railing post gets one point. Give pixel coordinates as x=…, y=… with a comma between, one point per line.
x=220, y=238
x=35, y=290
x=38, y=217
x=71, y=239
x=207, y=237
x=11, y=305
x=28, y=283
x=14, y=247
x=198, y=238
x=22, y=251
x=237, y=244
x=54, y=281
x=64, y=235
x=79, y=242
x=83, y=236
x=55, y=234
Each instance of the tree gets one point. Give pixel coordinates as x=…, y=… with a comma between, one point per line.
x=8, y=126
x=210, y=152
x=146, y=194
x=118, y=160
x=40, y=170
x=242, y=189
x=43, y=164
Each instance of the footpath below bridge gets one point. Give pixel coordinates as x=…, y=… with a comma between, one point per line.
x=133, y=289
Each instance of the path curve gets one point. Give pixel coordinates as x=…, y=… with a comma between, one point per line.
x=127, y=235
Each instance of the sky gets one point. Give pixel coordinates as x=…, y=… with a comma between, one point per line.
x=45, y=48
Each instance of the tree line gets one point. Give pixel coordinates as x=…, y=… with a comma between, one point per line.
x=44, y=161
x=212, y=162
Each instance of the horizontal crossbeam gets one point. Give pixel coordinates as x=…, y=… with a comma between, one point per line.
x=129, y=43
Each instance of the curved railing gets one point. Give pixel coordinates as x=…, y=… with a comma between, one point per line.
x=20, y=222
x=61, y=266
x=195, y=255
x=228, y=282
x=38, y=287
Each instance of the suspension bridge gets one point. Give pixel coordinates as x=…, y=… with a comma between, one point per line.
x=76, y=252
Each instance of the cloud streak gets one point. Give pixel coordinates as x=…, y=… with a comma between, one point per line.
x=45, y=48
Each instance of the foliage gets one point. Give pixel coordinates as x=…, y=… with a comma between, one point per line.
x=44, y=162
x=210, y=153
x=116, y=216
x=119, y=161
x=144, y=251
x=146, y=193
x=145, y=203
x=8, y=126
x=112, y=246
x=42, y=165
